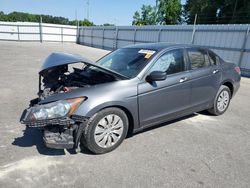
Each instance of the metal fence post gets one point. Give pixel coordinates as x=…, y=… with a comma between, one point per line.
x=82, y=36
x=134, y=40
x=103, y=32
x=62, y=34
x=159, y=35
x=77, y=33
x=243, y=46
x=40, y=29
x=116, y=38
x=18, y=34
x=91, y=37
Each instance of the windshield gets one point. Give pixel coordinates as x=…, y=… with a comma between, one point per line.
x=127, y=61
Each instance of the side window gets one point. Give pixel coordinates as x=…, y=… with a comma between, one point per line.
x=198, y=58
x=217, y=60
x=214, y=59
x=171, y=62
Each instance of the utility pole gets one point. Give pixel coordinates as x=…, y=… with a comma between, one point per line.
x=235, y=7
x=88, y=9
x=156, y=12
x=195, y=20
x=76, y=14
x=76, y=17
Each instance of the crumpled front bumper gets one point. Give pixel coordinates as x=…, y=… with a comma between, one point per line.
x=59, y=133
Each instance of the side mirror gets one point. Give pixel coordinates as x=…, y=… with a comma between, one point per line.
x=156, y=76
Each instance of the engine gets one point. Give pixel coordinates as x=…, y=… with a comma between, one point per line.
x=59, y=79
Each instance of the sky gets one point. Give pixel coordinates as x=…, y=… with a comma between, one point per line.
x=119, y=12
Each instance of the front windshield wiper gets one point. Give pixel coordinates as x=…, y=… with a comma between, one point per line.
x=109, y=71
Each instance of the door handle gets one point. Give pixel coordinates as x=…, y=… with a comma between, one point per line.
x=215, y=71
x=183, y=79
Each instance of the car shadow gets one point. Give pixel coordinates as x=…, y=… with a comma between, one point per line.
x=206, y=113
x=33, y=137
x=167, y=123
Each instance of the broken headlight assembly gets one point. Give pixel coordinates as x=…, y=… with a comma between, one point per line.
x=56, y=109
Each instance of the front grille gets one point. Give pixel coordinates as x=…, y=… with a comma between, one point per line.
x=42, y=123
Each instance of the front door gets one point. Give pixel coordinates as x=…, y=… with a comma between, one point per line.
x=160, y=100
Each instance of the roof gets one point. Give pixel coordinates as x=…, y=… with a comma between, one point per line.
x=159, y=46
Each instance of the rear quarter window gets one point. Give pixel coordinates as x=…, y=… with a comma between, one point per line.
x=198, y=58
x=214, y=59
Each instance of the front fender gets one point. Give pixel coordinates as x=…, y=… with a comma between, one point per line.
x=90, y=107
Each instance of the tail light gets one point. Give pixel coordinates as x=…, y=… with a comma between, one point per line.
x=237, y=69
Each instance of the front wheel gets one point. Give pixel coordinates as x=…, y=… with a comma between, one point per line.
x=221, y=101
x=105, y=130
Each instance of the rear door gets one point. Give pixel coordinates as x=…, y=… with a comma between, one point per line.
x=203, y=83
x=161, y=100
x=216, y=70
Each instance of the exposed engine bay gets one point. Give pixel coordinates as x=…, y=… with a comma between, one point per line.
x=64, y=78
x=62, y=73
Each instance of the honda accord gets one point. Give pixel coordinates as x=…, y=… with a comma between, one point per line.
x=97, y=104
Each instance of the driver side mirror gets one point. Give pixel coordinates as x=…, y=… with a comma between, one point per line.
x=156, y=76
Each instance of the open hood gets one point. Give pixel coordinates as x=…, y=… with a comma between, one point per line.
x=58, y=58
x=57, y=77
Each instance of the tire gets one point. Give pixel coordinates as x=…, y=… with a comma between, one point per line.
x=105, y=130
x=217, y=108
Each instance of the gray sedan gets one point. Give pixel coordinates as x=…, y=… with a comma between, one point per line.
x=97, y=104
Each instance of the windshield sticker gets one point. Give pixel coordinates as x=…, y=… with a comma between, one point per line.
x=148, y=53
x=147, y=56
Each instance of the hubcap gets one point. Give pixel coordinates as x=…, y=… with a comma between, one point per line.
x=222, y=101
x=108, y=131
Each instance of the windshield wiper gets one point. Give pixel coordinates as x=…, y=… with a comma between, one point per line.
x=109, y=71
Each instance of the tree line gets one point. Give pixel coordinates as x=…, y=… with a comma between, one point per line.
x=26, y=17
x=162, y=13
x=207, y=11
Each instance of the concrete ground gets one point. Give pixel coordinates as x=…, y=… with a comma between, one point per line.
x=196, y=151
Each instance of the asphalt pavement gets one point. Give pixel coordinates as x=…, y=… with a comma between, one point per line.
x=195, y=151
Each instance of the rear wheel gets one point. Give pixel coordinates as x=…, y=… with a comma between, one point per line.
x=221, y=101
x=105, y=130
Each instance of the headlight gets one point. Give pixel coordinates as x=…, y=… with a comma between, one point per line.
x=56, y=109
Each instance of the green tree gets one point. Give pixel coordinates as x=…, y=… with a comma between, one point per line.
x=26, y=17
x=2, y=16
x=205, y=9
x=234, y=11
x=145, y=17
x=137, y=19
x=165, y=12
x=168, y=11
x=217, y=11
x=86, y=22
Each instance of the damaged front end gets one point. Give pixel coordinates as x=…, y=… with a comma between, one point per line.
x=61, y=74
x=56, y=120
